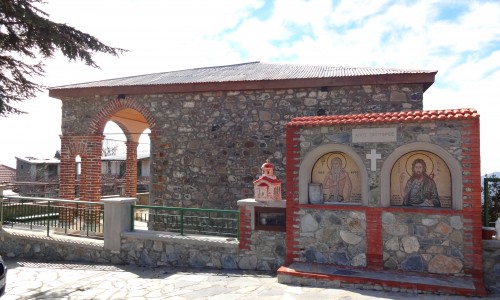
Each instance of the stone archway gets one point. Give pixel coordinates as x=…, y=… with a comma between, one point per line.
x=132, y=118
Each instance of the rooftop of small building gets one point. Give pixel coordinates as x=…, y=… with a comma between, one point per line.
x=251, y=75
x=122, y=157
x=35, y=160
x=7, y=174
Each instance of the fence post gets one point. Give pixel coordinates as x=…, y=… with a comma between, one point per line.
x=48, y=218
x=182, y=222
x=116, y=221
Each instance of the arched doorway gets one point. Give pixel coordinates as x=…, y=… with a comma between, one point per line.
x=126, y=154
x=133, y=119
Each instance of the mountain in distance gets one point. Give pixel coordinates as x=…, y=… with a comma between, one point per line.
x=494, y=174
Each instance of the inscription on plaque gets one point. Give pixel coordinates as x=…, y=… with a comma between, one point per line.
x=374, y=135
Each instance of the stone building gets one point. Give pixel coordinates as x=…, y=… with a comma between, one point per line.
x=211, y=128
x=37, y=177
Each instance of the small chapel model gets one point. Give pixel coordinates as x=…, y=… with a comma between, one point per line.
x=267, y=187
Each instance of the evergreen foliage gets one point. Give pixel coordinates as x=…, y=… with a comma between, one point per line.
x=27, y=37
x=494, y=201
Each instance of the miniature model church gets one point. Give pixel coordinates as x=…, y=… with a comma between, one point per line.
x=267, y=187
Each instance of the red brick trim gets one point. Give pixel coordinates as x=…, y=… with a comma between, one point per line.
x=89, y=148
x=471, y=166
x=374, y=242
x=292, y=193
x=131, y=169
x=100, y=119
x=245, y=227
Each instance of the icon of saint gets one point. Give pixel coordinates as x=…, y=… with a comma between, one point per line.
x=337, y=184
x=420, y=189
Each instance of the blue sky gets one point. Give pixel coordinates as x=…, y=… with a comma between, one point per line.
x=459, y=39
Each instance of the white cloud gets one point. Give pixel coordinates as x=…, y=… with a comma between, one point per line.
x=181, y=34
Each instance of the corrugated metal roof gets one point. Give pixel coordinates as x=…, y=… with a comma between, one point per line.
x=252, y=71
x=389, y=117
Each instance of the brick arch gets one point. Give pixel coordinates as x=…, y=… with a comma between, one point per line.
x=77, y=148
x=104, y=115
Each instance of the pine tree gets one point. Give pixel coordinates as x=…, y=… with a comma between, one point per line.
x=27, y=37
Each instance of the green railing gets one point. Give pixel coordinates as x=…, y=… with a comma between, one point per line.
x=53, y=215
x=212, y=222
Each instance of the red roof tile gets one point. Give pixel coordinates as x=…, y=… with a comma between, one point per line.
x=7, y=174
x=396, y=117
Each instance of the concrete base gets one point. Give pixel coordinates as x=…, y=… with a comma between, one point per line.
x=329, y=276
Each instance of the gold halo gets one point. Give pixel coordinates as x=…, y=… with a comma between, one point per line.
x=333, y=155
x=428, y=162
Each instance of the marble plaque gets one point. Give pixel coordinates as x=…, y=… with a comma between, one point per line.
x=374, y=135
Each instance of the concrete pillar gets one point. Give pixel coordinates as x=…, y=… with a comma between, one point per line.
x=117, y=219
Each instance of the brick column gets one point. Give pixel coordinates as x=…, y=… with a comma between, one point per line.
x=292, y=194
x=67, y=179
x=471, y=169
x=90, y=180
x=245, y=226
x=374, y=243
x=131, y=170
x=67, y=171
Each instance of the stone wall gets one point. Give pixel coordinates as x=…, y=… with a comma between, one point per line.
x=491, y=265
x=207, y=147
x=147, y=248
x=329, y=236
x=142, y=250
x=423, y=242
x=36, y=245
x=267, y=250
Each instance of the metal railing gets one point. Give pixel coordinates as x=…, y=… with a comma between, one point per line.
x=80, y=218
x=180, y=220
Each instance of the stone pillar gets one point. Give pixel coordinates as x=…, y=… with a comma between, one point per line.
x=117, y=220
x=131, y=169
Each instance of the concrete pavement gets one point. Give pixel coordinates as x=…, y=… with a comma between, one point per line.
x=38, y=280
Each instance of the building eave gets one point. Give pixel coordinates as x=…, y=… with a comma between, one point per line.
x=426, y=79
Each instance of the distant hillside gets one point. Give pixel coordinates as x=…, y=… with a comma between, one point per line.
x=495, y=174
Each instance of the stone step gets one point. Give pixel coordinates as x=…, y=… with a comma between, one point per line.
x=330, y=276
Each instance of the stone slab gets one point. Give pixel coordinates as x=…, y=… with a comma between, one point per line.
x=381, y=279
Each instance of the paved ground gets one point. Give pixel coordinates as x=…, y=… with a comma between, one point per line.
x=35, y=280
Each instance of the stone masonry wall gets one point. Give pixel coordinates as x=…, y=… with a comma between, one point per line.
x=491, y=265
x=85, y=250
x=423, y=242
x=147, y=248
x=208, y=147
x=267, y=249
x=337, y=237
